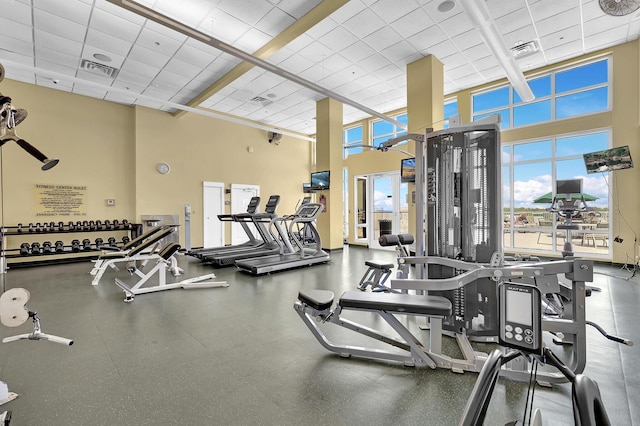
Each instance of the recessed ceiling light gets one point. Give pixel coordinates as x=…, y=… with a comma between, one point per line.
x=102, y=57
x=446, y=6
x=271, y=95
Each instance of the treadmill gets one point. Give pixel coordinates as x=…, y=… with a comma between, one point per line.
x=252, y=207
x=303, y=254
x=268, y=246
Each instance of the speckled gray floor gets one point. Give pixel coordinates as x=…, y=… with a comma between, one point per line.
x=241, y=356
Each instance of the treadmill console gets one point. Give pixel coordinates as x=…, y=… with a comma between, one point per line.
x=520, y=317
x=309, y=211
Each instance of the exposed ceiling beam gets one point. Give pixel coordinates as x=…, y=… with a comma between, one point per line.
x=149, y=101
x=293, y=31
x=171, y=23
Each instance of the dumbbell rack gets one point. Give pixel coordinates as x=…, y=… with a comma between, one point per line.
x=12, y=236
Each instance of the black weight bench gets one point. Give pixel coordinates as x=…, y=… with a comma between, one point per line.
x=314, y=304
x=400, y=303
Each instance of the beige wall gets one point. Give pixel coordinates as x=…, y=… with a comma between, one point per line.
x=624, y=119
x=114, y=149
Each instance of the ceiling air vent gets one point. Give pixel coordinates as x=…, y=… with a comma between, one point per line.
x=260, y=100
x=98, y=68
x=520, y=50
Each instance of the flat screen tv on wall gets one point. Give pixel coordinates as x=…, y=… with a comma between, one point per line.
x=618, y=158
x=408, y=170
x=320, y=180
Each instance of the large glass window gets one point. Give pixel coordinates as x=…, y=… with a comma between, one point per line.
x=450, y=109
x=352, y=141
x=563, y=93
x=529, y=173
x=382, y=131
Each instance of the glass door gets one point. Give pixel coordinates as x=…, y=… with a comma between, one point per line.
x=388, y=207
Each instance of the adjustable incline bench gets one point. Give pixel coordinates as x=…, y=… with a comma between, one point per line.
x=317, y=304
x=134, y=253
x=164, y=259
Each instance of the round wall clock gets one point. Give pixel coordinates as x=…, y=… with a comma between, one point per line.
x=163, y=168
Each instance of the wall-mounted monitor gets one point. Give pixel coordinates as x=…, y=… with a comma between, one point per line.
x=608, y=160
x=408, y=170
x=306, y=188
x=320, y=180
x=568, y=187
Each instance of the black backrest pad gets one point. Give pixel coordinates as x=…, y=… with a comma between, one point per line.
x=169, y=250
x=272, y=204
x=391, y=302
x=317, y=299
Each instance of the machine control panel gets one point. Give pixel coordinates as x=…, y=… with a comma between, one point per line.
x=309, y=211
x=520, y=317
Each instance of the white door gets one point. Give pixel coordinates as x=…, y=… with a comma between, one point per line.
x=213, y=202
x=240, y=197
x=388, y=207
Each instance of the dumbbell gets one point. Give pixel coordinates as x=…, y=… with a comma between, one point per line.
x=79, y=225
x=35, y=248
x=112, y=242
x=125, y=239
x=99, y=243
x=107, y=224
x=92, y=225
x=38, y=227
x=19, y=227
x=85, y=225
x=59, y=246
x=46, y=247
x=98, y=225
x=60, y=226
x=86, y=244
x=72, y=226
x=125, y=223
x=25, y=249
x=52, y=225
x=116, y=224
x=75, y=246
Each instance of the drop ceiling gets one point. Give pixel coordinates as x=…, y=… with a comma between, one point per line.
x=359, y=50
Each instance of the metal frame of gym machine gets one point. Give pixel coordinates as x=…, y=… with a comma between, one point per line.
x=457, y=272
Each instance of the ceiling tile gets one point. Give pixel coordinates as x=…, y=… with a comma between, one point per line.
x=191, y=13
x=391, y=10
x=71, y=10
x=338, y=39
x=274, y=22
x=118, y=27
x=108, y=43
x=252, y=40
x=147, y=56
x=382, y=38
x=357, y=51
x=412, y=23
x=364, y=23
x=54, y=24
x=297, y=8
x=59, y=44
x=347, y=11
x=15, y=30
x=322, y=28
x=401, y=53
x=16, y=12
x=16, y=46
x=224, y=26
x=427, y=38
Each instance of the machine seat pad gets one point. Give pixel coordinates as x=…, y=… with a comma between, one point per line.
x=317, y=299
x=378, y=264
x=393, y=302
